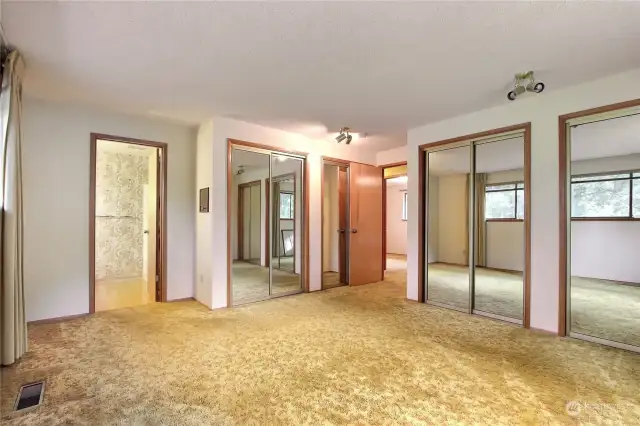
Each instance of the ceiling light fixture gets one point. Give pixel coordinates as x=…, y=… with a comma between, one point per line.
x=344, y=134
x=521, y=85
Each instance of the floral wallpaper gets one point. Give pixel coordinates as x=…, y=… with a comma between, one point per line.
x=119, y=214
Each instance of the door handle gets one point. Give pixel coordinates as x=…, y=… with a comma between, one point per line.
x=354, y=231
x=341, y=231
x=145, y=231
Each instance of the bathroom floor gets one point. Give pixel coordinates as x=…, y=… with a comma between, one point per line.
x=122, y=293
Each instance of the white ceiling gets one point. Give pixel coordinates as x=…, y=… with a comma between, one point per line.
x=603, y=139
x=312, y=67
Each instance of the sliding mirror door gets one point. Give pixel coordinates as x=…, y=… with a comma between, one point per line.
x=603, y=207
x=448, y=277
x=476, y=222
x=267, y=222
x=249, y=268
x=499, y=228
x=286, y=230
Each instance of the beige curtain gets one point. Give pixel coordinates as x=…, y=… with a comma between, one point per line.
x=481, y=255
x=13, y=338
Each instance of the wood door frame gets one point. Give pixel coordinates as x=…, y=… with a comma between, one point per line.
x=240, y=211
x=563, y=194
x=396, y=164
x=305, y=255
x=161, y=213
x=384, y=209
x=338, y=163
x=526, y=127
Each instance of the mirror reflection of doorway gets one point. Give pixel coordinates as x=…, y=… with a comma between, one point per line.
x=266, y=213
x=284, y=222
x=249, y=225
x=335, y=225
x=127, y=232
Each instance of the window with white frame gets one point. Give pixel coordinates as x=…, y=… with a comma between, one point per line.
x=504, y=201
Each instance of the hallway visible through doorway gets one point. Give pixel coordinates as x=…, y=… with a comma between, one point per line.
x=395, y=218
x=396, y=262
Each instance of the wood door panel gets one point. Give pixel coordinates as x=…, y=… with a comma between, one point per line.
x=342, y=224
x=365, y=217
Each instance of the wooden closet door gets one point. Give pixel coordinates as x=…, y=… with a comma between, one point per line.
x=343, y=188
x=365, y=218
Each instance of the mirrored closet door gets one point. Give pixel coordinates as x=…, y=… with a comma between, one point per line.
x=499, y=242
x=266, y=224
x=286, y=214
x=602, y=208
x=475, y=211
x=448, y=274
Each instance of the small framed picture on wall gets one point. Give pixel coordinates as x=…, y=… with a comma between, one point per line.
x=204, y=200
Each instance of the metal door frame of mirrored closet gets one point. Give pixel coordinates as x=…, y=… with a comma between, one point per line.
x=565, y=122
x=304, y=256
x=472, y=141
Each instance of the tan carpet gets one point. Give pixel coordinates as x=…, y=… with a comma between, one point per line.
x=330, y=279
x=605, y=309
x=284, y=263
x=250, y=282
x=599, y=308
x=497, y=292
x=361, y=355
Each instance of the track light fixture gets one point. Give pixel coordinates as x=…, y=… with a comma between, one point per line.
x=525, y=82
x=344, y=134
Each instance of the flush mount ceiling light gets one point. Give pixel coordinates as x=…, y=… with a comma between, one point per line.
x=525, y=82
x=344, y=134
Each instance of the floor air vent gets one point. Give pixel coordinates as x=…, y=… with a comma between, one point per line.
x=30, y=396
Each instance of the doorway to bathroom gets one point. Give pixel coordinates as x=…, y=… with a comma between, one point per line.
x=127, y=223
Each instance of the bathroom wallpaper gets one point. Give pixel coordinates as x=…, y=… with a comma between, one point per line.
x=119, y=214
